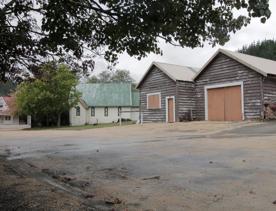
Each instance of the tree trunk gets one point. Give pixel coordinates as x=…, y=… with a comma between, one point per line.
x=47, y=120
x=59, y=120
x=34, y=121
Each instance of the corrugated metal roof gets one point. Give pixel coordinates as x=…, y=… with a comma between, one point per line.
x=108, y=94
x=135, y=98
x=260, y=65
x=175, y=72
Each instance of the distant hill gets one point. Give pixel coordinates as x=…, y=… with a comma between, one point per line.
x=6, y=88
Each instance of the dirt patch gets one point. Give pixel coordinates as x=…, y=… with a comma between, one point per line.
x=23, y=192
x=114, y=173
x=18, y=192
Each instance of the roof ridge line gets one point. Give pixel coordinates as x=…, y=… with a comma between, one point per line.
x=247, y=54
x=174, y=64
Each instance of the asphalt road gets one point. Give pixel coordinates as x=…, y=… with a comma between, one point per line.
x=184, y=166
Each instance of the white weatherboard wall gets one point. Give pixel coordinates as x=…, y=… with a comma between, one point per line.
x=78, y=120
x=135, y=114
x=99, y=115
x=13, y=121
x=86, y=118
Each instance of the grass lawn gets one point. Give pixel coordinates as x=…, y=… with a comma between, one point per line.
x=82, y=127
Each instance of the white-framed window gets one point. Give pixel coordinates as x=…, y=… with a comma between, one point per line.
x=106, y=111
x=78, y=111
x=154, y=101
x=92, y=111
x=119, y=111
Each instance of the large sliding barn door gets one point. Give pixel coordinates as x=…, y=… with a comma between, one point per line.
x=224, y=104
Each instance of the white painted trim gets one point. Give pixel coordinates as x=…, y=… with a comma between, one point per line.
x=167, y=107
x=222, y=85
x=156, y=93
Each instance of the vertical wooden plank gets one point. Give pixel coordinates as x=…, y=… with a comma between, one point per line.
x=233, y=107
x=226, y=70
x=216, y=104
x=170, y=110
x=156, y=81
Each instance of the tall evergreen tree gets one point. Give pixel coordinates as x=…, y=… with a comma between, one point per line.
x=265, y=49
x=6, y=87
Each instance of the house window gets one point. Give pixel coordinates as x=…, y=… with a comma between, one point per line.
x=154, y=101
x=92, y=111
x=7, y=118
x=106, y=111
x=1, y=105
x=119, y=111
x=77, y=111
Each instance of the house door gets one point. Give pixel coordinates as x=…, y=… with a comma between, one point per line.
x=224, y=104
x=170, y=110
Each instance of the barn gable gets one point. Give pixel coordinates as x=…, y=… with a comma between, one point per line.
x=222, y=71
x=172, y=71
x=262, y=66
x=169, y=82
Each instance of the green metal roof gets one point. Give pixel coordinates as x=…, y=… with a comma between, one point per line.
x=135, y=97
x=109, y=94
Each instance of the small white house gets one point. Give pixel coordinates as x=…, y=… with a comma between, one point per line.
x=6, y=114
x=105, y=103
x=8, y=118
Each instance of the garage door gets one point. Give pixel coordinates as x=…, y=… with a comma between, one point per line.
x=224, y=104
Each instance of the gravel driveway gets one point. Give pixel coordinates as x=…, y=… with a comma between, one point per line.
x=181, y=166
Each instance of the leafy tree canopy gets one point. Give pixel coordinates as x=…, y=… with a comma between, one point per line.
x=32, y=31
x=51, y=94
x=265, y=49
x=108, y=76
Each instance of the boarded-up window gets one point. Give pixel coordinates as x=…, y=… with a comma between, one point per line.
x=154, y=101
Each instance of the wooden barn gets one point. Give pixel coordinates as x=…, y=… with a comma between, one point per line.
x=232, y=86
x=167, y=93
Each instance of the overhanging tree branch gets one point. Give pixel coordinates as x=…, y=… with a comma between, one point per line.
x=70, y=28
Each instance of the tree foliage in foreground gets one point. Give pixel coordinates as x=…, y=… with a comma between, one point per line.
x=118, y=76
x=265, y=49
x=34, y=30
x=52, y=94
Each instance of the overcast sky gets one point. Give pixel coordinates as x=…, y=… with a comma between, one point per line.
x=198, y=56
